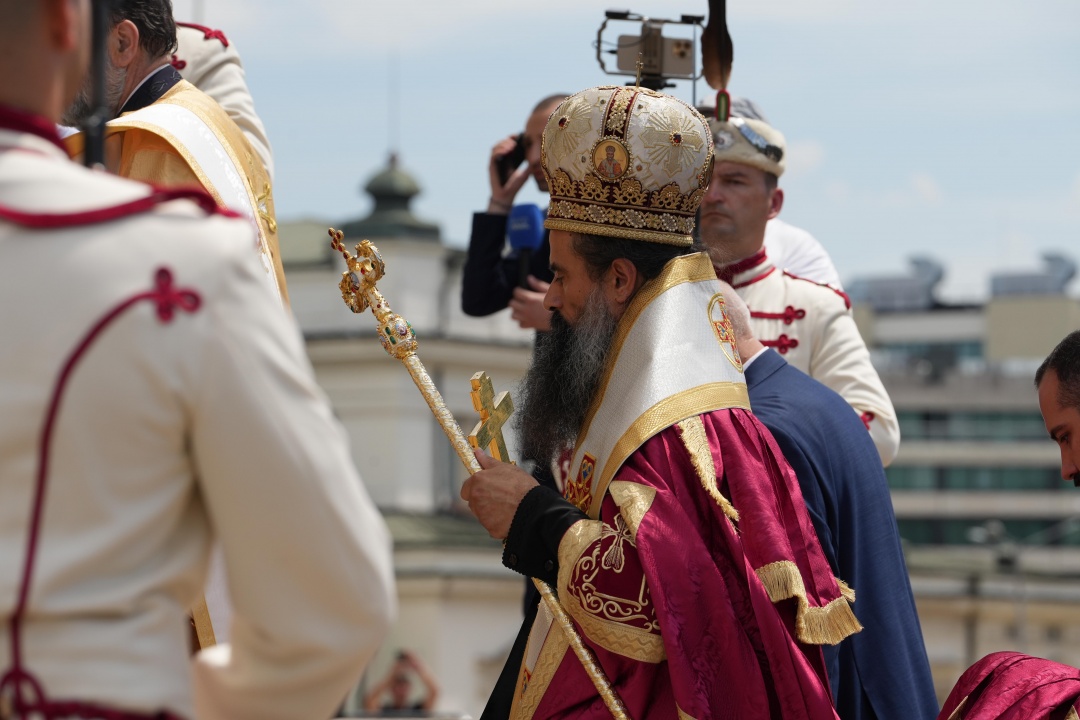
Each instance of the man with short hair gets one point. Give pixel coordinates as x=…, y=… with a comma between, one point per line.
x=681, y=549
x=489, y=280
x=164, y=131
x=154, y=398
x=882, y=672
x=808, y=323
x=1058, y=383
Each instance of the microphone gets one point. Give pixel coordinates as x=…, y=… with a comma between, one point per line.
x=525, y=230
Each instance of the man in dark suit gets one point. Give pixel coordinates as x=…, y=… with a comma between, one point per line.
x=882, y=672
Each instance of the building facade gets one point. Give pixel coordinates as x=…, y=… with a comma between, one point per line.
x=460, y=609
x=991, y=531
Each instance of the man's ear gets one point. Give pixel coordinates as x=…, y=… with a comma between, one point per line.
x=776, y=202
x=621, y=281
x=124, y=44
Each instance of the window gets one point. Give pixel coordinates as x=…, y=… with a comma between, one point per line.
x=1008, y=426
x=917, y=477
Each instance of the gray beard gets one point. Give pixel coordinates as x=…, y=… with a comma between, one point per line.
x=82, y=106
x=564, y=377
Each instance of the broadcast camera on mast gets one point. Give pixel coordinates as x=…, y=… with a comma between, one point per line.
x=662, y=58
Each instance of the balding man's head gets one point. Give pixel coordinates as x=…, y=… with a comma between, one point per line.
x=44, y=53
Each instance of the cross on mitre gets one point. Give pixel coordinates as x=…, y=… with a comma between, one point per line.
x=494, y=412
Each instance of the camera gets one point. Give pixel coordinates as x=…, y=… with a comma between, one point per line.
x=657, y=57
x=506, y=164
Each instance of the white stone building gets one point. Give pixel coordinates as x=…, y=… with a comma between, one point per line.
x=459, y=607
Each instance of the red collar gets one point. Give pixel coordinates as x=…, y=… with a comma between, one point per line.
x=727, y=273
x=21, y=121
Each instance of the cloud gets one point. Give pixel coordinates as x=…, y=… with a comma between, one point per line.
x=804, y=157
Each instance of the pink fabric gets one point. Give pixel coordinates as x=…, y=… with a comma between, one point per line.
x=1014, y=686
x=731, y=652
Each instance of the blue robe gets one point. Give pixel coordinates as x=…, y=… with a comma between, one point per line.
x=883, y=671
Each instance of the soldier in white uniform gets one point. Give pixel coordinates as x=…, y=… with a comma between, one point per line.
x=154, y=397
x=809, y=323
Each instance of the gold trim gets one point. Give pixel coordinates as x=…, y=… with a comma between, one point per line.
x=181, y=95
x=179, y=147
x=697, y=444
x=683, y=715
x=552, y=653
x=695, y=267
x=619, y=638
x=664, y=414
x=1072, y=714
x=846, y=590
x=634, y=501
x=826, y=625
x=655, y=236
x=957, y=714
x=204, y=626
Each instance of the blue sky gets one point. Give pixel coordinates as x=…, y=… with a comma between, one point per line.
x=948, y=128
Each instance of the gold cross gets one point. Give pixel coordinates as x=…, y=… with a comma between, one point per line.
x=263, y=201
x=494, y=412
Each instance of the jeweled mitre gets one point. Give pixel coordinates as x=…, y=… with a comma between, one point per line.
x=626, y=162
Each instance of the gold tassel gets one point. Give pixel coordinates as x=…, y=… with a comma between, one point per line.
x=692, y=432
x=826, y=625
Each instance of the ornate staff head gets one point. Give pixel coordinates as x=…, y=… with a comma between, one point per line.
x=359, y=292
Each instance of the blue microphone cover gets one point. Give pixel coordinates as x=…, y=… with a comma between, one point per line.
x=525, y=227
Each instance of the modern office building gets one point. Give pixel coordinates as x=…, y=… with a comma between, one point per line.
x=991, y=531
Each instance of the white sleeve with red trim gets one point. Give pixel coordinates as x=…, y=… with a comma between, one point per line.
x=214, y=67
x=797, y=251
x=308, y=556
x=841, y=361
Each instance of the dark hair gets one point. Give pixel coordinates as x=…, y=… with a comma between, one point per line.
x=549, y=100
x=649, y=258
x=1064, y=360
x=153, y=18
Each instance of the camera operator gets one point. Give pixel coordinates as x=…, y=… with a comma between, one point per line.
x=490, y=280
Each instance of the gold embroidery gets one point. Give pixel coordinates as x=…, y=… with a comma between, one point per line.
x=725, y=333
x=605, y=619
x=570, y=129
x=551, y=657
x=664, y=414
x=264, y=212
x=671, y=140
x=826, y=625
x=697, y=444
x=620, y=101
x=614, y=559
x=634, y=500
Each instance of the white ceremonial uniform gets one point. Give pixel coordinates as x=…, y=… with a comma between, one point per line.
x=177, y=426
x=797, y=251
x=812, y=327
x=209, y=61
